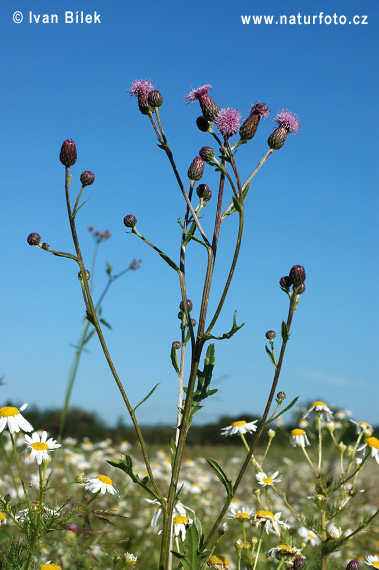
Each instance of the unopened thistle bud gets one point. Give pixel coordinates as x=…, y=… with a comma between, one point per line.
x=189, y=305
x=130, y=221
x=207, y=153
x=297, y=275
x=300, y=289
x=193, y=322
x=33, y=239
x=209, y=108
x=280, y=396
x=45, y=245
x=176, y=344
x=155, y=98
x=249, y=127
x=270, y=335
x=143, y=104
x=203, y=124
x=285, y=282
x=68, y=153
x=289, y=123
x=298, y=564
x=196, y=170
x=87, y=178
x=204, y=192
x=353, y=565
x=87, y=274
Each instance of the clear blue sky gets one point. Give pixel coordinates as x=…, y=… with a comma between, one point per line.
x=314, y=203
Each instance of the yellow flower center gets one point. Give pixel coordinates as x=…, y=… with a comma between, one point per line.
x=365, y=425
x=372, y=442
x=50, y=567
x=238, y=424
x=375, y=563
x=320, y=497
x=2, y=517
x=8, y=411
x=264, y=515
x=180, y=519
x=39, y=446
x=242, y=516
x=321, y=404
x=218, y=560
x=297, y=431
x=105, y=479
x=267, y=480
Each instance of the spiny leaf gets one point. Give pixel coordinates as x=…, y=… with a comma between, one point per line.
x=285, y=333
x=229, y=334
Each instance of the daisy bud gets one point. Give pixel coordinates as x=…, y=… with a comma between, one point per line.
x=196, y=170
x=143, y=104
x=297, y=275
x=203, y=124
x=33, y=239
x=270, y=335
x=176, y=344
x=68, y=153
x=298, y=564
x=249, y=127
x=207, y=153
x=281, y=396
x=289, y=123
x=189, y=305
x=155, y=98
x=353, y=565
x=130, y=221
x=87, y=178
x=80, y=478
x=271, y=433
x=285, y=283
x=204, y=192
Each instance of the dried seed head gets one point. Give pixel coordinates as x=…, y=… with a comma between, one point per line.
x=155, y=98
x=297, y=275
x=130, y=221
x=270, y=335
x=33, y=239
x=68, y=153
x=207, y=153
x=196, y=170
x=203, y=124
x=204, y=192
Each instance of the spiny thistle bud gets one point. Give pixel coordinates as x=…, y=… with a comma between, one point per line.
x=289, y=123
x=45, y=245
x=208, y=107
x=87, y=178
x=193, y=322
x=249, y=127
x=207, y=153
x=204, y=192
x=270, y=335
x=203, y=124
x=33, y=239
x=280, y=396
x=155, y=98
x=143, y=104
x=68, y=153
x=176, y=344
x=196, y=170
x=87, y=274
x=189, y=305
x=130, y=221
x=298, y=564
x=297, y=275
x=300, y=289
x=353, y=565
x=285, y=282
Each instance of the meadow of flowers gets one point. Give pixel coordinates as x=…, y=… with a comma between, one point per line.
x=312, y=503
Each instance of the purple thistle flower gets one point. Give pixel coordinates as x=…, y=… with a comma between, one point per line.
x=140, y=86
x=288, y=120
x=260, y=109
x=249, y=127
x=197, y=93
x=228, y=122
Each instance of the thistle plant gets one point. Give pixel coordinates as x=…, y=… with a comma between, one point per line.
x=183, y=543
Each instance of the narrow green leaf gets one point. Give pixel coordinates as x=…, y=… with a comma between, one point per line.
x=283, y=411
x=172, y=445
x=285, y=333
x=218, y=470
x=126, y=465
x=270, y=354
x=169, y=261
x=105, y=323
x=246, y=191
x=237, y=205
x=229, y=334
x=147, y=397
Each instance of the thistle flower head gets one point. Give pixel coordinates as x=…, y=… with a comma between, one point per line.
x=260, y=109
x=140, y=86
x=207, y=153
x=196, y=169
x=249, y=127
x=209, y=108
x=297, y=275
x=228, y=121
x=33, y=239
x=288, y=120
x=204, y=192
x=68, y=154
x=87, y=178
x=130, y=221
x=197, y=93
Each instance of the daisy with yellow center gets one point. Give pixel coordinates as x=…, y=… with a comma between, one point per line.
x=364, y=427
x=371, y=443
x=242, y=514
x=283, y=551
x=38, y=447
x=101, y=484
x=299, y=438
x=10, y=417
x=241, y=427
x=321, y=409
x=3, y=518
x=266, y=481
x=270, y=521
x=129, y=559
x=50, y=566
x=309, y=536
x=372, y=561
x=180, y=524
x=219, y=562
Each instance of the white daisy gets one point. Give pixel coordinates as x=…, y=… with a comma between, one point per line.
x=309, y=536
x=38, y=447
x=283, y=551
x=325, y=413
x=10, y=417
x=265, y=480
x=373, y=444
x=372, y=561
x=179, y=509
x=129, y=558
x=180, y=525
x=3, y=518
x=333, y=531
x=242, y=514
x=363, y=427
x=240, y=427
x=299, y=438
x=103, y=484
x=271, y=522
